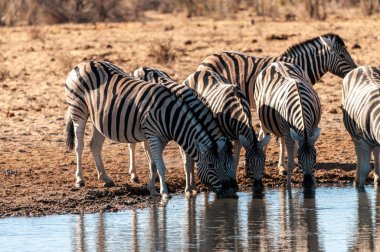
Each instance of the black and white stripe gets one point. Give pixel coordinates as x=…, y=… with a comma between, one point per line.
x=361, y=116
x=200, y=108
x=230, y=106
x=128, y=110
x=289, y=108
x=315, y=57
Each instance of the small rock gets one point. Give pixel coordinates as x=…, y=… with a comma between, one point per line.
x=356, y=46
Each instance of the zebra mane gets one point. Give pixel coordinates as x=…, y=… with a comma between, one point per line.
x=295, y=49
x=164, y=81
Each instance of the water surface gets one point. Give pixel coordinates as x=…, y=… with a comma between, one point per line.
x=333, y=219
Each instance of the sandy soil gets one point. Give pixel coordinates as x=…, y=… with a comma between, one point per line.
x=37, y=173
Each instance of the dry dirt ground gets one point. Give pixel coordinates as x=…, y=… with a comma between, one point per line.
x=37, y=173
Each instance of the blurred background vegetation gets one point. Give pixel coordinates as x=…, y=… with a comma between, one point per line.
x=31, y=12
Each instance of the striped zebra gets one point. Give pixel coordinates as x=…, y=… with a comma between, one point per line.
x=200, y=107
x=361, y=116
x=230, y=106
x=289, y=108
x=128, y=110
x=315, y=57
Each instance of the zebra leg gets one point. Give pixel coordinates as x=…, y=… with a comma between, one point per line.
x=96, y=145
x=132, y=164
x=79, y=128
x=363, y=152
x=237, y=148
x=152, y=165
x=156, y=147
x=152, y=171
x=281, y=162
x=190, y=189
x=376, y=153
x=290, y=149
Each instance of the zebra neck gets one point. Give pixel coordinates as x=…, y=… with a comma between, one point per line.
x=313, y=62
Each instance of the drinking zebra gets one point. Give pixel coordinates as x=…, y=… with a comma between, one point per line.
x=361, y=116
x=230, y=106
x=200, y=107
x=315, y=57
x=289, y=108
x=128, y=110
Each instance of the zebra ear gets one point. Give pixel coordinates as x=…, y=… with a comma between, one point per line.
x=244, y=141
x=265, y=140
x=201, y=147
x=294, y=135
x=315, y=135
x=327, y=42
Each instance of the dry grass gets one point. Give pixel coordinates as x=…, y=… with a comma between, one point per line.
x=32, y=12
x=162, y=51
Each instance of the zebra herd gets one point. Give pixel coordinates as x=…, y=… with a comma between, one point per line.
x=212, y=107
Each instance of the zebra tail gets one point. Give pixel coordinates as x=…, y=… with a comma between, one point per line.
x=70, y=135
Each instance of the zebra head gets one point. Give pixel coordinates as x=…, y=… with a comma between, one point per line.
x=216, y=168
x=307, y=155
x=255, y=160
x=339, y=59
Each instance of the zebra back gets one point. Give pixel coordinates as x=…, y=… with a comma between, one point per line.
x=126, y=109
x=285, y=99
x=361, y=104
x=315, y=57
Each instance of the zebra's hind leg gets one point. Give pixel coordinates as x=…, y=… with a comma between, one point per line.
x=376, y=153
x=79, y=128
x=132, y=163
x=363, y=153
x=96, y=145
x=281, y=160
x=190, y=189
x=290, y=165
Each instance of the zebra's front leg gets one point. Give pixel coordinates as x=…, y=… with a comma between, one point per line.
x=289, y=143
x=376, y=153
x=132, y=163
x=152, y=171
x=96, y=146
x=190, y=189
x=156, y=147
x=281, y=161
x=237, y=148
x=79, y=128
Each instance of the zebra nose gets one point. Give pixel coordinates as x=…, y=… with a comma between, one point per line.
x=257, y=186
x=308, y=181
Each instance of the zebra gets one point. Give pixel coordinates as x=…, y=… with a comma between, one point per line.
x=289, y=108
x=315, y=56
x=200, y=107
x=230, y=106
x=361, y=117
x=128, y=110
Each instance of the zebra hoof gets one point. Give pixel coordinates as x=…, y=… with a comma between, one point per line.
x=109, y=184
x=135, y=180
x=188, y=194
x=79, y=184
x=165, y=196
x=194, y=192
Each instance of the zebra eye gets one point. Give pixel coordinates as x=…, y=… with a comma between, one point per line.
x=341, y=55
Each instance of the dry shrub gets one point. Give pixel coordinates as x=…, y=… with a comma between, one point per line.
x=162, y=51
x=369, y=6
x=62, y=11
x=67, y=62
x=37, y=34
x=4, y=73
x=316, y=9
